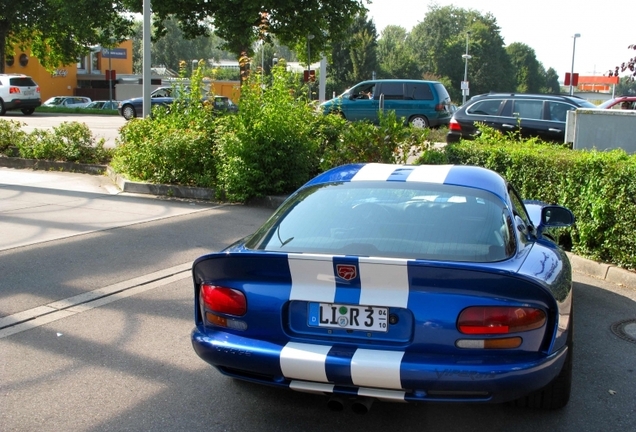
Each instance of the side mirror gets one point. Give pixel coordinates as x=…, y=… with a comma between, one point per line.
x=556, y=216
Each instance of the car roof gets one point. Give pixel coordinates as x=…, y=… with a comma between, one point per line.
x=456, y=175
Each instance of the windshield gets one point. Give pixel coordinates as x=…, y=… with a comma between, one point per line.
x=391, y=219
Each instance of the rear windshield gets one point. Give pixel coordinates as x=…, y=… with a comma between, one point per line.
x=442, y=92
x=22, y=82
x=391, y=219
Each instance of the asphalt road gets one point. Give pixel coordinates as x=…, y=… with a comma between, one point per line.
x=125, y=363
x=102, y=126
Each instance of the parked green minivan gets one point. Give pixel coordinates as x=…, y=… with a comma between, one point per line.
x=421, y=103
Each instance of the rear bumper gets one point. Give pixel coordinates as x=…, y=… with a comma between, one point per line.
x=16, y=104
x=386, y=375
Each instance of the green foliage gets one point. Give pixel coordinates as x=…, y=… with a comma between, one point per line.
x=389, y=142
x=11, y=134
x=597, y=186
x=68, y=142
x=269, y=147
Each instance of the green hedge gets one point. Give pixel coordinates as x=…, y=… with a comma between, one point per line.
x=598, y=187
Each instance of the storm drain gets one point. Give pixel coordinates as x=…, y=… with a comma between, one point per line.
x=625, y=330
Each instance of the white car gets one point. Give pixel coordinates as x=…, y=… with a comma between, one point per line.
x=67, y=101
x=19, y=92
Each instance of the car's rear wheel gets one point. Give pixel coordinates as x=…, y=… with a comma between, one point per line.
x=556, y=394
x=419, y=121
x=128, y=111
x=2, y=110
x=27, y=111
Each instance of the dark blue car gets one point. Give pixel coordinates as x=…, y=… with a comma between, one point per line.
x=396, y=283
x=165, y=96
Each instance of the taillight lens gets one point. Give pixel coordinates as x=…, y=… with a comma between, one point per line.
x=440, y=107
x=14, y=90
x=223, y=300
x=484, y=320
x=454, y=126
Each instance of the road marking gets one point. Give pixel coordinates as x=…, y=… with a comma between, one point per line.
x=65, y=308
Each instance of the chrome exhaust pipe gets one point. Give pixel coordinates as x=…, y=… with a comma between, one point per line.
x=362, y=405
x=335, y=403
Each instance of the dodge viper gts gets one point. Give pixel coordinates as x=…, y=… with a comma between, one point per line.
x=396, y=283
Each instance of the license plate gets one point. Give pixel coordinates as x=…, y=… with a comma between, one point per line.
x=29, y=92
x=348, y=317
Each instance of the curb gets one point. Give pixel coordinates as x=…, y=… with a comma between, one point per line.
x=38, y=164
x=606, y=272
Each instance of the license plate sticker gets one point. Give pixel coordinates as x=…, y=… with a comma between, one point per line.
x=348, y=317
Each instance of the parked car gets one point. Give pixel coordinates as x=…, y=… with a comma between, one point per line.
x=19, y=92
x=399, y=283
x=531, y=115
x=103, y=104
x=164, y=96
x=621, y=102
x=67, y=101
x=421, y=103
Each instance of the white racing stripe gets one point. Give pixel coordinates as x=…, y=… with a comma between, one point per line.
x=304, y=361
x=375, y=171
x=384, y=283
x=373, y=368
x=429, y=173
x=312, y=278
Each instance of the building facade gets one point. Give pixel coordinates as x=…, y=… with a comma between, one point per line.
x=87, y=77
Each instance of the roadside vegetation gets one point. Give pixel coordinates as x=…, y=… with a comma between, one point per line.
x=63, y=110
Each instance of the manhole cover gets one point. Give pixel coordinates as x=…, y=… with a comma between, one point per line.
x=625, y=330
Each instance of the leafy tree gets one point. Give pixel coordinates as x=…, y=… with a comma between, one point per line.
x=395, y=57
x=58, y=32
x=439, y=41
x=528, y=71
x=240, y=22
x=626, y=85
x=629, y=65
x=552, y=82
x=353, y=58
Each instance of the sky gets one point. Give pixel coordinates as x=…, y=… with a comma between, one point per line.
x=547, y=26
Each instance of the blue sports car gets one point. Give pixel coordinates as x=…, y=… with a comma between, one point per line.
x=397, y=283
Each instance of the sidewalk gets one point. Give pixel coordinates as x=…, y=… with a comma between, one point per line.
x=39, y=206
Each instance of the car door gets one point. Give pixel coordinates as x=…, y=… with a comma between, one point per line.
x=556, y=116
x=535, y=120
x=358, y=106
x=493, y=112
x=391, y=98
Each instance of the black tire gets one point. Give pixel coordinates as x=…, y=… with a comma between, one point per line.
x=418, y=121
x=27, y=111
x=2, y=110
x=128, y=112
x=556, y=394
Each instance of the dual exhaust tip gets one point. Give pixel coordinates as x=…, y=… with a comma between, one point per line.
x=360, y=405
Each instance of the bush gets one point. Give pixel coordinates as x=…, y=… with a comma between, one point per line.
x=68, y=142
x=11, y=134
x=597, y=186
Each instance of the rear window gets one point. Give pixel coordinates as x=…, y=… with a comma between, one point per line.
x=488, y=107
x=441, y=92
x=386, y=219
x=22, y=82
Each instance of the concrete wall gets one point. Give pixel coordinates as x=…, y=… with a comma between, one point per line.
x=601, y=129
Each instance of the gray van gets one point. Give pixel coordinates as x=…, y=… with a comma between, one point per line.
x=421, y=103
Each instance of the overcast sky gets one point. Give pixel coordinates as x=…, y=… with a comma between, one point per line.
x=547, y=26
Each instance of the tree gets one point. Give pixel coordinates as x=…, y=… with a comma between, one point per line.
x=238, y=22
x=552, y=82
x=528, y=71
x=629, y=65
x=439, y=41
x=58, y=32
x=353, y=58
x=395, y=57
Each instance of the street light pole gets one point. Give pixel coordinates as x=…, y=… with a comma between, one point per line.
x=576, y=35
x=110, y=78
x=466, y=57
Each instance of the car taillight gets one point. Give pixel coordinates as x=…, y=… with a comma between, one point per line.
x=489, y=320
x=14, y=90
x=37, y=89
x=223, y=300
x=454, y=126
x=440, y=107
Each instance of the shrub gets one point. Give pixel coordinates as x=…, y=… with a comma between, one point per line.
x=11, y=134
x=68, y=142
